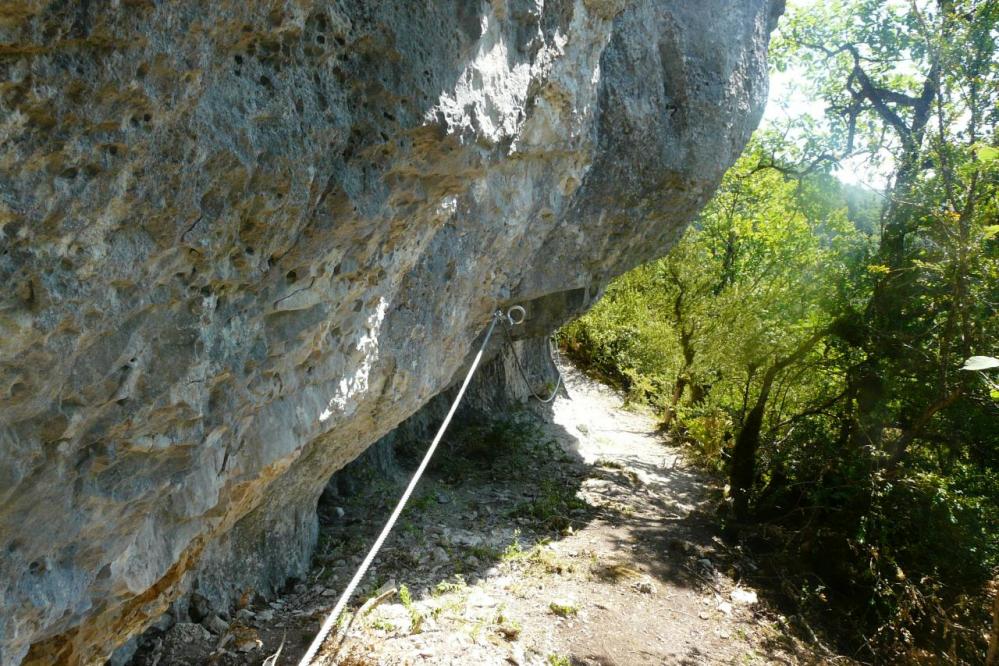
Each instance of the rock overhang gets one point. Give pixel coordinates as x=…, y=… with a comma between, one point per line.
x=245, y=240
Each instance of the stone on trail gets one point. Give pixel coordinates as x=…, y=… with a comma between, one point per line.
x=189, y=632
x=246, y=639
x=479, y=599
x=743, y=596
x=644, y=586
x=216, y=625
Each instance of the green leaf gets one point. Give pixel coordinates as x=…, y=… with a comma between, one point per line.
x=992, y=231
x=994, y=394
x=987, y=153
x=978, y=363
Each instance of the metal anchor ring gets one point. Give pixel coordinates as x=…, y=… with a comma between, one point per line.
x=516, y=310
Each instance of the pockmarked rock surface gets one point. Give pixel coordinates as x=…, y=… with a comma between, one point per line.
x=241, y=241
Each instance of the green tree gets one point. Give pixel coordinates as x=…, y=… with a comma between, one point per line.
x=914, y=86
x=736, y=315
x=810, y=343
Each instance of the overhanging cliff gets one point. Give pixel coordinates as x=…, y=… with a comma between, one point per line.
x=241, y=241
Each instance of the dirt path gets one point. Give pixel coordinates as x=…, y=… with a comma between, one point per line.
x=577, y=540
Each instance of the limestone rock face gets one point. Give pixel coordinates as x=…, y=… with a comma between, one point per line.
x=241, y=241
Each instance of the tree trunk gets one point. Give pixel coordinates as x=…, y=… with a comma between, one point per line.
x=885, y=316
x=687, y=348
x=992, y=658
x=678, y=387
x=742, y=470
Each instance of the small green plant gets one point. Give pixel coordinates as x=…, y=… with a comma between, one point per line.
x=513, y=550
x=476, y=629
x=563, y=608
x=555, y=659
x=447, y=587
x=405, y=597
x=483, y=552
x=506, y=627
x=455, y=605
x=415, y=616
x=543, y=560
x=552, y=506
x=383, y=625
x=422, y=503
x=537, y=560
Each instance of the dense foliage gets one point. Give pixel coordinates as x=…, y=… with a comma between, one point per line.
x=809, y=338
